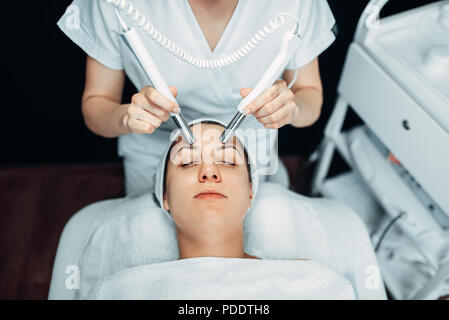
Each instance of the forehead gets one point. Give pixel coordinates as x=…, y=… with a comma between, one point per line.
x=206, y=134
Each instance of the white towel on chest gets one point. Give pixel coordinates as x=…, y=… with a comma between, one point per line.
x=211, y=278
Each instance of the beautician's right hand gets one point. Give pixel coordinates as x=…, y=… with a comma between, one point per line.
x=148, y=109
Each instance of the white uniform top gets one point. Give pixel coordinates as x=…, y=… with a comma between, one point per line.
x=201, y=92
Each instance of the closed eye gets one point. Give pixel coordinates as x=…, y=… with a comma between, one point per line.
x=227, y=163
x=184, y=165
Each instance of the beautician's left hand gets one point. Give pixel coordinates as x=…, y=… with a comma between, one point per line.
x=275, y=107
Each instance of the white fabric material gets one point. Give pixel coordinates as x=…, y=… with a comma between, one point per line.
x=225, y=278
x=201, y=93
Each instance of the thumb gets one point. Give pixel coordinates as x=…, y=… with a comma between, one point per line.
x=245, y=91
x=173, y=91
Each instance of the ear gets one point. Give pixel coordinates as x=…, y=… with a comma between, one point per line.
x=166, y=205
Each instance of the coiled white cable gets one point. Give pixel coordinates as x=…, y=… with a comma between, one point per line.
x=143, y=23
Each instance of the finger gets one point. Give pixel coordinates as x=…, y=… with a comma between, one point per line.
x=140, y=127
x=139, y=101
x=284, y=121
x=155, y=97
x=157, y=112
x=275, y=117
x=267, y=96
x=173, y=91
x=286, y=95
x=283, y=98
x=268, y=109
x=280, y=83
x=148, y=117
x=244, y=92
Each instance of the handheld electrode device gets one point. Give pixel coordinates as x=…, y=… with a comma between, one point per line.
x=290, y=44
x=134, y=43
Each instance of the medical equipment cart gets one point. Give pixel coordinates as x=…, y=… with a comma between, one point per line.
x=396, y=79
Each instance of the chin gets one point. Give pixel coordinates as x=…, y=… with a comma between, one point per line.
x=212, y=210
x=220, y=216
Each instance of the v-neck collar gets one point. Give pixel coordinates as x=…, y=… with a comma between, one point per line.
x=224, y=35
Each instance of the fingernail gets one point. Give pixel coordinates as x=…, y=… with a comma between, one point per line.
x=176, y=110
x=246, y=111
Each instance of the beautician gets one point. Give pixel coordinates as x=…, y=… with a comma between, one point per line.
x=207, y=29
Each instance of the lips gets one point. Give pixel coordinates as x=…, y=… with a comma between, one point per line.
x=210, y=194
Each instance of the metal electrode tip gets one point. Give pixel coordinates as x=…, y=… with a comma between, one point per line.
x=225, y=136
x=191, y=139
x=184, y=127
x=233, y=125
x=188, y=135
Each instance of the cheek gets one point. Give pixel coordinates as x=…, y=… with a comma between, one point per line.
x=239, y=186
x=176, y=190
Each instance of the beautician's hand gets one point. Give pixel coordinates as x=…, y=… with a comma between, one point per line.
x=148, y=109
x=275, y=107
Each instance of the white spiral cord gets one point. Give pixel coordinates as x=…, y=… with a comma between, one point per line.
x=143, y=23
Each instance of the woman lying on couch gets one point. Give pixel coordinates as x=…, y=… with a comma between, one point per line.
x=195, y=238
x=204, y=191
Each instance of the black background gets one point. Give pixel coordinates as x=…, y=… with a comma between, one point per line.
x=43, y=79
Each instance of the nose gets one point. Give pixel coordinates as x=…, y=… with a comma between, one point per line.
x=209, y=173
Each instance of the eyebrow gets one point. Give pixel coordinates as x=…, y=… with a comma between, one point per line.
x=222, y=147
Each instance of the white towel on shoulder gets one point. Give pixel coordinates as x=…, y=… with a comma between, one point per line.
x=210, y=278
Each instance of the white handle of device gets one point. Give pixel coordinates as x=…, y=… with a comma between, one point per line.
x=290, y=44
x=147, y=63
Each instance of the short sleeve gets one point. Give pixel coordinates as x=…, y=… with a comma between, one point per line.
x=318, y=25
x=93, y=26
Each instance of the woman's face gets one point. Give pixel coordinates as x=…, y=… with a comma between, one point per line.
x=207, y=183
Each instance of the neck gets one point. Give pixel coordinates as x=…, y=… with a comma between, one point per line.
x=213, y=242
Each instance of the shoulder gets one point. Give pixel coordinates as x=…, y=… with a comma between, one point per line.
x=92, y=15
